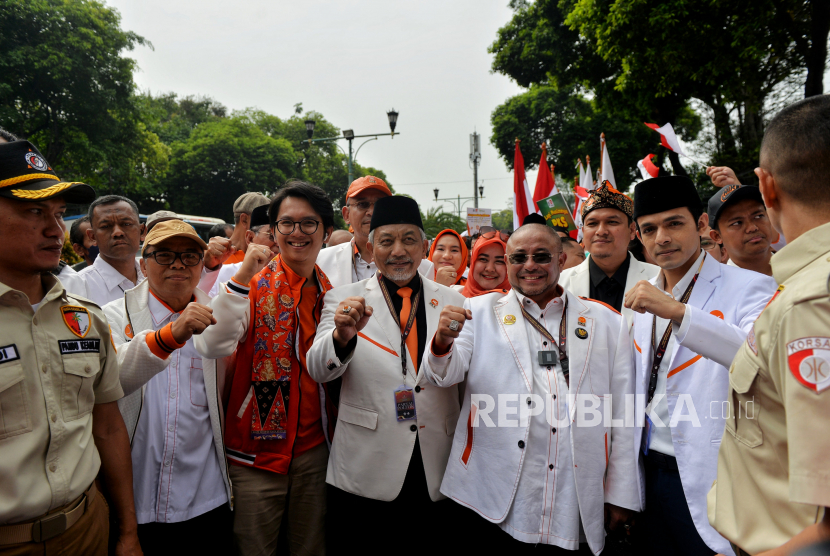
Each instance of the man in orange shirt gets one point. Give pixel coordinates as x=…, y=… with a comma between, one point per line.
x=278, y=418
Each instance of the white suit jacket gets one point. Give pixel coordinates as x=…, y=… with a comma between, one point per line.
x=371, y=450
x=336, y=263
x=724, y=303
x=138, y=365
x=577, y=280
x=486, y=461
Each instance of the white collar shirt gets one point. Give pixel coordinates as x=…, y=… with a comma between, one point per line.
x=545, y=509
x=104, y=283
x=176, y=474
x=658, y=409
x=360, y=268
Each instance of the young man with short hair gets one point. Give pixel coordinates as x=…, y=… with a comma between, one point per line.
x=739, y=222
x=689, y=322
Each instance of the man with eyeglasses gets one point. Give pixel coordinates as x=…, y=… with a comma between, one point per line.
x=172, y=407
x=352, y=262
x=610, y=270
x=528, y=454
x=690, y=321
x=259, y=234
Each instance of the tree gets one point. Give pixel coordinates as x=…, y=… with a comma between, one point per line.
x=436, y=220
x=67, y=88
x=223, y=159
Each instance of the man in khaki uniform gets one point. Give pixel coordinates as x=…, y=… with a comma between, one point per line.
x=59, y=421
x=773, y=474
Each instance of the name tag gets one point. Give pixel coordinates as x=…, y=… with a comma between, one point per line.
x=404, y=403
x=79, y=346
x=9, y=353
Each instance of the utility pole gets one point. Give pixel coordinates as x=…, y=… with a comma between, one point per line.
x=475, y=157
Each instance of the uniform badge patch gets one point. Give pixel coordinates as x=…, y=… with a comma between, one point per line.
x=9, y=353
x=36, y=162
x=581, y=333
x=76, y=319
x=750, y=340
x=809, y=361
x=581, y=321
x=434, y=303
x=509, y=319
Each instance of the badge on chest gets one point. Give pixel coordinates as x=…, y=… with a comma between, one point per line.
x=404, y=403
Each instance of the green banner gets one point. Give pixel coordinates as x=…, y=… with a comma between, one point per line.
x=556, y=212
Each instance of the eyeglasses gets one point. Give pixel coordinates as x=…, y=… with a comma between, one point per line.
x=307, y=226
x=489, y=232
x=270, y=235
x=363, y=205
x=538, y=258
x=166, y=258
x=709, y=244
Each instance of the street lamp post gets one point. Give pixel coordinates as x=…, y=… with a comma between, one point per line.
x=460, y=201
x=348, y=135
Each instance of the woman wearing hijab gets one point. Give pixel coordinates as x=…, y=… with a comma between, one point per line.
x=449, y=255
x=488, y=271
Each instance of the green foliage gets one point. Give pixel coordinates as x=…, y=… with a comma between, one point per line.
x=503, y=219
x=436, y=220
x=651, y=60
x=66, y=87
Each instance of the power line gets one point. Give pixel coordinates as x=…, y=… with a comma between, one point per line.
x=444, y=182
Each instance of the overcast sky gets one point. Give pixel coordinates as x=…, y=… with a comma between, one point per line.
x=350, y=61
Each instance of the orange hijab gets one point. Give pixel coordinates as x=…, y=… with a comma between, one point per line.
x=473, y=289
x=464, y=252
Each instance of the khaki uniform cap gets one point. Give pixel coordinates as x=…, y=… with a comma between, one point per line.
x=55, y=365
x=773, y=474
x=171, y=228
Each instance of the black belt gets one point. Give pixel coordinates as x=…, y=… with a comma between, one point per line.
x=662, y=461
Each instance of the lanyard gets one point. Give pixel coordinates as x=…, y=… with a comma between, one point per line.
x=660, y=350
x=413, y=310
x=563, y=337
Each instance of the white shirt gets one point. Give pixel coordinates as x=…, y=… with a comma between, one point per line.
x=100, y=282
x=545, y=508
x=661, y=434
x=360, y=268
x=176, y=474
x=226, y=272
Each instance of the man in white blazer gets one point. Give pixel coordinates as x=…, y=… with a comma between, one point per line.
x=352, y=261
x=691, y=319
x=549, y=476
x=394, y=430
x=610, y=270
x=172, y=407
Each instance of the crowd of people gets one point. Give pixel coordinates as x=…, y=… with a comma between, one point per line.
x=288, y=387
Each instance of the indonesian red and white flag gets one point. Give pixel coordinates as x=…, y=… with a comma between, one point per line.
x=647, y=168
x=667, y=137
x=545, y=182
x=607, y=173
x=580, y=196
x=522, y=200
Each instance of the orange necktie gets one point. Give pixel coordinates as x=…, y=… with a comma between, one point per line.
x=412, y=339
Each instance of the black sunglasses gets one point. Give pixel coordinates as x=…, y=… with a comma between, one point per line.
x=538, y=258
x=166, y=258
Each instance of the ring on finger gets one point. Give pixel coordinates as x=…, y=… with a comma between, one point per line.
x=454, y=325
x=346, y=310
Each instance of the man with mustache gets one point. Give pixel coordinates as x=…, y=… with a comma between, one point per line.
x=690, y=321
x=739, y=221
x=352, y=261
x=549, y=477
x=610, y=270
x=394, y=430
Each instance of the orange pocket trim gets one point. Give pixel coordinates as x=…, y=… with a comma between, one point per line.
x=384, y=348
x=637, y=347
x=685, y=365
x=468, y=449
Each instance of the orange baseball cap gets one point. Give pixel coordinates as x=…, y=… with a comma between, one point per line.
x=367, y=182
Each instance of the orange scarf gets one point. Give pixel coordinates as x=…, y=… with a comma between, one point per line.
x=473, y=289
x=459, y=271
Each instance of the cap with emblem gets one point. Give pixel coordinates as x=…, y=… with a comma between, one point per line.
x=731, y=194
x=247, y=202
x=26, y=176
x=367, y=182
x=160, y=216
x=662, y=194
x=171, y=228
x=396, y=210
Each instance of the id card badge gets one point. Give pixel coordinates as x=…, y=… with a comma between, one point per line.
x=647, y=430
x=404, y=403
